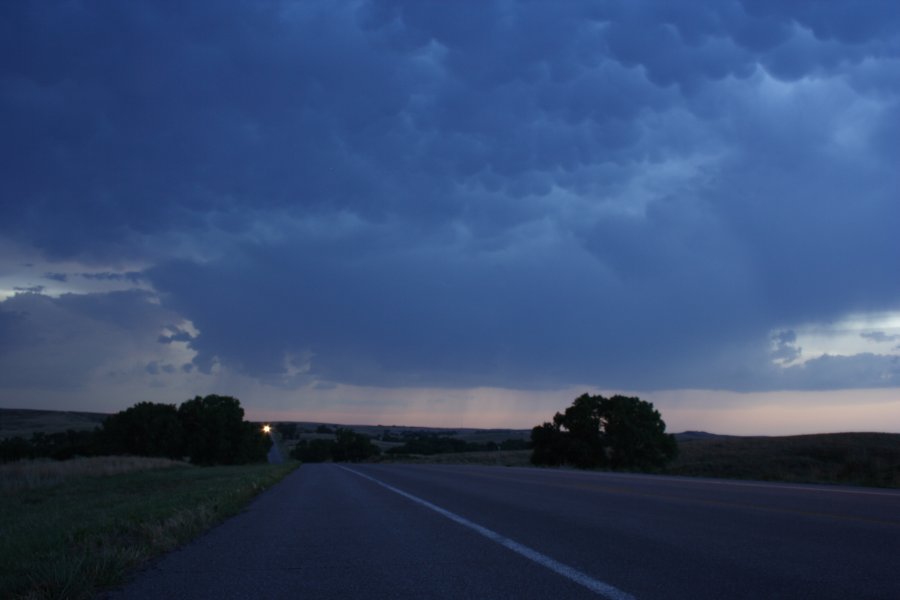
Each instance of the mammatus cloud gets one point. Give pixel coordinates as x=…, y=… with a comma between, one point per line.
x=523, y=195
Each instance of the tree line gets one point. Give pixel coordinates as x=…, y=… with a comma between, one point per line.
x=208, y=430
x=594, y=432
x=347, y=446
x=430, y=443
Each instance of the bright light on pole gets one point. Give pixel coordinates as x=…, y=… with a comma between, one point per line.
x=266, y=429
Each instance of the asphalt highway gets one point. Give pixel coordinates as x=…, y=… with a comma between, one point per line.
x=437, y=531
x=274, y=457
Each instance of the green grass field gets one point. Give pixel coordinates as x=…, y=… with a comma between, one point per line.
x=71, y=536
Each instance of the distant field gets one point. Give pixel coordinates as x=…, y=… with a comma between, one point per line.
x=24, y=422
x=849, y=458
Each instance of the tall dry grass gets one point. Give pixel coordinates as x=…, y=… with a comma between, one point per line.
x=33, y=474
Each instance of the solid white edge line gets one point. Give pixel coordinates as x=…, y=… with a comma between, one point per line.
x=596, y=586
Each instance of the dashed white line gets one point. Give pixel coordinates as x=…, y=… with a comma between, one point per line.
x=595, y=585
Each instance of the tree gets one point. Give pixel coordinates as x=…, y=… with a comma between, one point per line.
x=350, y=446
x=208, y=431
x=15, y=448
x=216, y=433
x=145, y=429
x=61, y=445
x=636, y=434
x=619, y=432
x=313, y=451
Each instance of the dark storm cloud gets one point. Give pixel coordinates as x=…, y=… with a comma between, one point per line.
x=786, y=349
x=395, y=193
x=155, y=368
x=11, y=329
x=132, y=276
x=844, y=372
x=59, y=343
x=879, y=336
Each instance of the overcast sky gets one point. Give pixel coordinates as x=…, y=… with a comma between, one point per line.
x=454, y=213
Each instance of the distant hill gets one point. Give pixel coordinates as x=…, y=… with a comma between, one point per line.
x=687, y=436
x=23, y=422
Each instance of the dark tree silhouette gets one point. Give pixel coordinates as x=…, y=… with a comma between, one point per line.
x=145, y=429
x=216, y=433
x=636, y=434
x=208, y=431
x=15, y=448
x=313, y=451
x=348, y=446
x=619, y=432
x=58, y=446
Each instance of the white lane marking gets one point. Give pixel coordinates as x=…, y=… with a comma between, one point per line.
x=596, y=586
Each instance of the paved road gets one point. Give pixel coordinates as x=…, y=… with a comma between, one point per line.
x=274, y=456
x=435, y=531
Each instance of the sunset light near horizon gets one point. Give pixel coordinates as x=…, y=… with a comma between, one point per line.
x=454, y=214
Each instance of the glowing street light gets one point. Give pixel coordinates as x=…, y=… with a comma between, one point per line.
x=266, y=429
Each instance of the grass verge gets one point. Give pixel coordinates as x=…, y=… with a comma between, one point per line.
x=76, y=537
